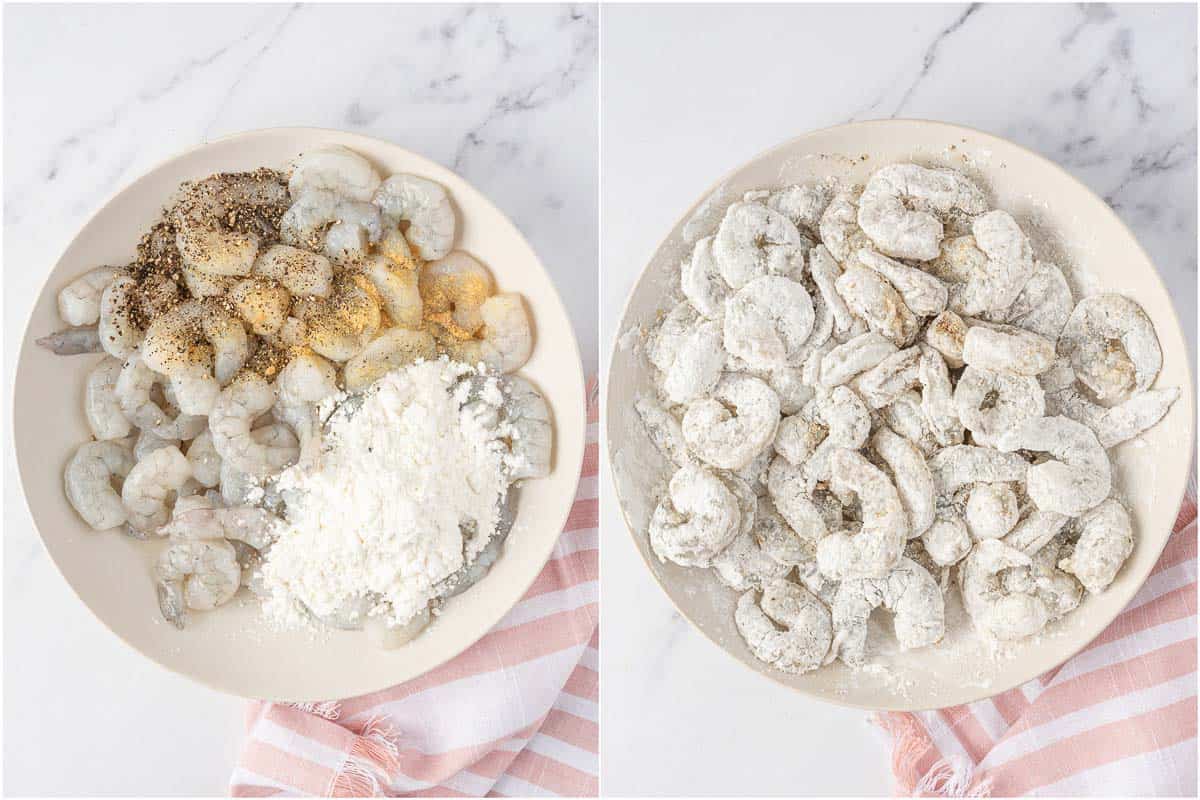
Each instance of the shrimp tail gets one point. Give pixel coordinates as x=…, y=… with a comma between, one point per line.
x=72, y=341
x=171, y=603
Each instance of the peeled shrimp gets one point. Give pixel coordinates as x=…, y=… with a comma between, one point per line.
x=1105, y=542
x=744, y=565
x=238, y=405
x=731, y=439
x=246, y=524
x=768, y=322
x=701, y=281
x=880, y=385
x=453, y=290
x=262, y=303
x=1014, y=350
x=908, y=591
x=886, y=211
x=790, y=629
x=857, y=355
x=1111, y=345
x=100, y=403
x=507, y=336
x=876, y=549
x=957, y=466
x=532, y=431
x=149, y=485
x=825, y=272
x=688, y=352
x=356, y=226
x=873, y=299
x=425, y=206
x=1078, y=476
x=304, y=382
x=200, y=574
x=911, y=476
x=753, y=241
x=334, y=169
x=341, y=326
x=839, y=228
x=205, y=460
x=998, y=594
x=88, y=481
x=663, y=429
x=937, y=398
x=991, y=511
x=1119, y=423
x=997, y=281
x=391, y=350
x=946, y=333
x=924, y=294
x=398, y=289
x=134, y=393
x=171, y=346
x=118, y=329
x=73, y=341
x=947, y=541
x=1033, y=532
x=79, y=300
x=1043, y=305
x=204, y=241
x=803, y=204
x=990, y=403
x=302, y=273
x=696, y=520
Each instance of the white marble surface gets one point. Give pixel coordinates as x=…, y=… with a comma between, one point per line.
x=96, y=95
x=690, y=93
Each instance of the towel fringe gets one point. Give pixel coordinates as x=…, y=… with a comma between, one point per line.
x=328, y=709
x=953, y=776
x=355, y=778
x=375, y=755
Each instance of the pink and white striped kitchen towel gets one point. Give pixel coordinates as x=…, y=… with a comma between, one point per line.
x=1119, y=718
x=516, y=714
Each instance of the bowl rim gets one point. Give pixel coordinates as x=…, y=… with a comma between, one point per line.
x=614, y=350
x=301, y=130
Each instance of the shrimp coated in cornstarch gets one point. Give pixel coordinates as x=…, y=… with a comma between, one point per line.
x=235, y=409
x=991, y=511
x=873, y=299
x=883, y=383
x=525, y=410
x=696, y=520
x=1077, y=477
x=150, y=484
x=947, y=541
x=120, y=334
x=842, y=413
x=790, y=629
x=900, y=203
x=876, y=549
x=334, y=169
x=906, y=464
x=1008, y=265
x=391, y=350
x=946, y=333
x=997, y=593
x=839, y=228
x=398, y=288
x=1033, y=532
x=425, y=206
x=100, y=403
x=88, y=481
x=825, y=272
x=701, y=282
x=663, y=429
x=908, y=591
x=957, y=466
x=803, y=204
x=1111, y=345
x=1105, y=542
x=731, y=426
x=199, y=574
x=79, y=300
x=924, y=294
x=768, y=321
x=1015, y=350
x=937, y=398
x=1119, y=423
x=689, y=354
x=753, y=241
x=744, y=565
x=790, y=491
x=990, y=403
x=844, y=361
x=453, y=290
x=1043, y=305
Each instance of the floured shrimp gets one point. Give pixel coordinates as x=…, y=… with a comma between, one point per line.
x=803, y=204
x=507, y=337
x=1105, y=542
x=1111, y=345
x=1016, y=351
x=1119, y=423
x=302, y=273
x=947, y=541
x=88, y=481
x=778, y=540
x=195, y=335
x=957, y=466
x=789, y=490
x=453, y=290
x=1044, y=305
x=689, y=354
x=768, y=321
x=262, y=303
x=150, y=484
x=663, y=429
x=730, y=427
x=117, y=327
x=937, y=398
x=696, y=520
x=701, y=282
x=825, y=272
x=334, y=169
x=199, y=574
x=839, y=228
x=797, y=437
x=892, y=209
x=911, y=476
x=1077, y=477
x=1033, y=532
x=873, y=299
x=946, y=333
x=205, y=240
x=908, y=591
x=79, y=300
x=1059, y=590
x=990, y=403
x=995, y=283
x=847, y=420
x=789, y=383
x=876, y=549
x=743, y=564
x=904, y=416
x=923, y=293
x=789, y=628
x=101, y=405
x=525, y=410
x=997, y=593
x=880, y=385
x=753, y=241
x=205, y=460
x=425, y=206
x=391, y=350
x=235, y=409
x=755, y=473
x=303, y=382
x=991, y=510
x=857, y=355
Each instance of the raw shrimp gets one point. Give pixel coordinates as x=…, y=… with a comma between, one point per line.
x=507, y=337
x=768, y=321
x=195, y=335
x=991, y=511
x=753, y=241
x=134, y=394
x=147, y=442
x=262, y=303
x=247, y=524
x=398, y=290
x=149, y=485
x=79, y=300
x=995, y=284
x=873, y=299
x=526, y=413
x=946, y=334
x=877, y=548
x=425, y=206
x=341, y=326
x=825, y=272
x=119, y=332
x=789, y=489
x=205, y=460
x=857, y=355
x=990, y=403
x=1105, y=542
x=200, y=574
x=908, y=591
x=663, y=429
x=73, y=341
x=1119, y=423
x=947, y=541
x=839, y=228
x=308, y=218
x=1015, y=350
x=391, y=350
x=697, y=518
x=937, y=398
x=334, y=169
x=880, y=385
x=200, y=219
x=302, y=273
x=891, y=209
x=701, y=281
x=88, y=481
x=957, y=466
x=911, y=476
x=1078, y=476
x=803, y=204
x=100, y=403
x=304, y=382
x=204, y=284
x=730, y=427
x=453, y=290
x=1111, y=345
x=356, y=226
x=1002, y=602
x=238, y=405
x=1044, y=305
x=791, y=629
x=923, y=293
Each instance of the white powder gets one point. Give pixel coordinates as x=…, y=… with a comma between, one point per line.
x=379, y=513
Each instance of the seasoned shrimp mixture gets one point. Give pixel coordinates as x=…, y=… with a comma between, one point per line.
x=877, y=396
x=306, y=391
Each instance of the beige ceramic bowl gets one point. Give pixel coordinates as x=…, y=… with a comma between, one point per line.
x=1070, y=226
x=230, y=649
